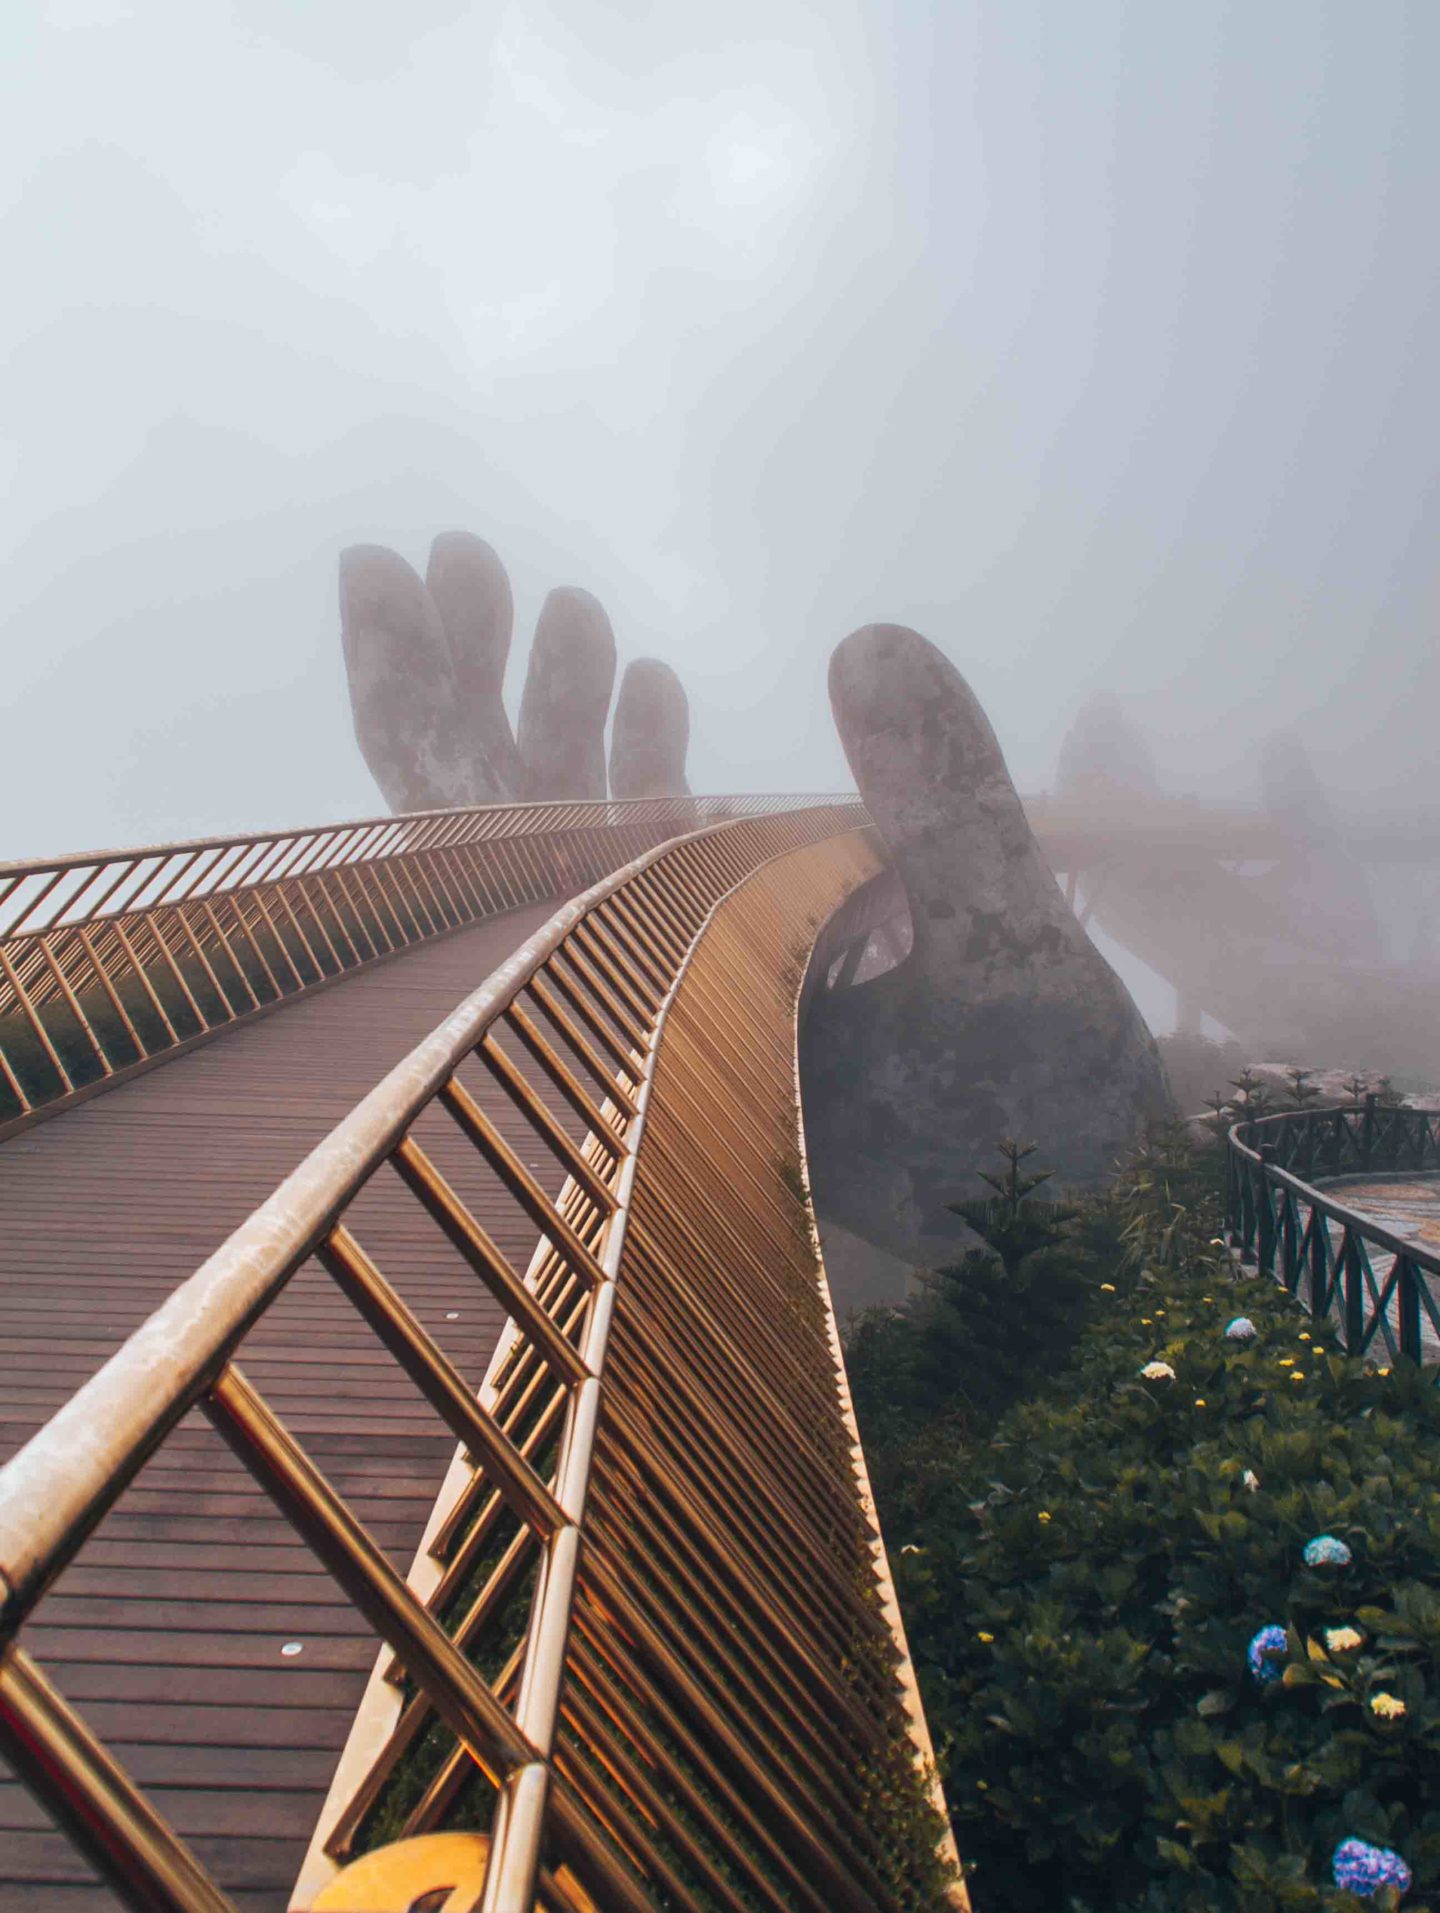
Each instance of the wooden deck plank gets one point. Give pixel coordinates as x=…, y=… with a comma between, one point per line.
x=166, y=1632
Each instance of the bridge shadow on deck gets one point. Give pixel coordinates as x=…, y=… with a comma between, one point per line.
x=167, y=1633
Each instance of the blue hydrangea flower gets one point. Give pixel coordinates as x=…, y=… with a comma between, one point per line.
x=1326, y=1552
x=1268, y=1646
x=1360, y=1868
x=1242, y=1329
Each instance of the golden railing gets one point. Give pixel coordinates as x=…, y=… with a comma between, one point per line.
x=111, y=960
x=651, y=1644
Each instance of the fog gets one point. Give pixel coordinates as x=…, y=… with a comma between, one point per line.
x=1096, y=341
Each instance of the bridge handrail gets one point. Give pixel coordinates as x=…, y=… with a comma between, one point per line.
x=417, y=828
x=111, y=960
x=1286, y=1226
x=601, y=979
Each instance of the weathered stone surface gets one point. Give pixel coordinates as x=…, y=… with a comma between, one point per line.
x=561, y=733
x=651, y=733
x=403, y=694
x=477, y=609
x=1003, y=1020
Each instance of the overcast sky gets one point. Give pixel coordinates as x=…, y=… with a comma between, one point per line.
x=1098, y=341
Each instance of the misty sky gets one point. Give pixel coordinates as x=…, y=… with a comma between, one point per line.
x=1095, y=340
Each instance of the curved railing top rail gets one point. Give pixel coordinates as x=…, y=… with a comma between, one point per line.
x=111, y=961
x=1329, y=1254
x=1400, y=1141
x=33, y=895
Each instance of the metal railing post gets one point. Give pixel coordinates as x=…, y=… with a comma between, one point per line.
x=1265, y=1212
x=1367, y=1131
x=1408, y=1309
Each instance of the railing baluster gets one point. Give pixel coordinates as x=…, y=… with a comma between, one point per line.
x=1409, y=1309
x=93, y=1798
x=1265, y=1211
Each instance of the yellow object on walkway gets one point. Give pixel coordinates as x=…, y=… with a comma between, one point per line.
x=435, y=1873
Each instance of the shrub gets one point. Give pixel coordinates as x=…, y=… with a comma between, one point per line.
x=1090, y=1577
x=971, y=1339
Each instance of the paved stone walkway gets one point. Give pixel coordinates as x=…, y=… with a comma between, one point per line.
x=1406, y=1205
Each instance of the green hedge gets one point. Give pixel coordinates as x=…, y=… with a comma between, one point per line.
x=1081, y=1585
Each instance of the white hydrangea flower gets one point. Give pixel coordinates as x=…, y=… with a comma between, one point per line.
x=1158, y=1372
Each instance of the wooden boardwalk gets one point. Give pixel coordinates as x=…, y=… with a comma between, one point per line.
x=170, y=1631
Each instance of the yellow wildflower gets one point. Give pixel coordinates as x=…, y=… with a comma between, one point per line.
x=1387, y=1706
x=1145, y=1322
x=1297, y=1376
x=1043, y=1516
x=1199, y=1401
x=1304, y=1335
x=983, y=1636
x=1107, y=1288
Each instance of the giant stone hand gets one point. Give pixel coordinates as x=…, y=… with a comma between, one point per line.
x=1003, y=1020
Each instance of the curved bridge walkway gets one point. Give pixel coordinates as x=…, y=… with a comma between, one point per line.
x=641, y=1646
x=170, y=1632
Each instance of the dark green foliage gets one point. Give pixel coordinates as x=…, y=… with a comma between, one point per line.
x=968, y=1342
x=1080, y=1585
x=1302, y=1091
x=1251, y=1097
x=1010, y=1221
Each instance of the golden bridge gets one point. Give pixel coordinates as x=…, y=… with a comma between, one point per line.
x=431, y=1480
x=430, y=1420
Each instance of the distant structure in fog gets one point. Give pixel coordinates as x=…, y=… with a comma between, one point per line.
x=425, y=662
x=1319, y=884
x=1265, y=922
x=1103, y=754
